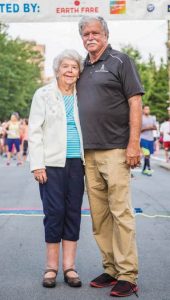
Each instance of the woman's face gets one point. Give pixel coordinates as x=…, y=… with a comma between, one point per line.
x=68, y=71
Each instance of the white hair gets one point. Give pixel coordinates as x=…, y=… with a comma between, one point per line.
x=67, y=54
x=88, y=19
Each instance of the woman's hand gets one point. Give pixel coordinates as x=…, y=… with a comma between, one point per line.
x=40, y=175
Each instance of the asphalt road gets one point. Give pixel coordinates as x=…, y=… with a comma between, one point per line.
x=22, y=249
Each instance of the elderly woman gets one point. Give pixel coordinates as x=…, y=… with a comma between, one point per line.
x=56, y=159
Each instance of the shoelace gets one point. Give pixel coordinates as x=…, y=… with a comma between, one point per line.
x=133, y=290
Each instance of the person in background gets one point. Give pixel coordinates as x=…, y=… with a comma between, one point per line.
x=165, y=133
x=147, y=139
x=13, y=137
x=1, y=139
x=4, y=137
x=110, y=107
x=25, y=139
x=56, y=160
x=21, y=134
x=156, y=136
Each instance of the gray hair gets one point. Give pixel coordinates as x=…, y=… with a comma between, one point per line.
x=88, y=19
x=16, y=114
x=67, y=54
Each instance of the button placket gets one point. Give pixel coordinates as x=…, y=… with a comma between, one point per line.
x=92, y=69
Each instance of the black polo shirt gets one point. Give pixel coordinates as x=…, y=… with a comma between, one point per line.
x=103, y=92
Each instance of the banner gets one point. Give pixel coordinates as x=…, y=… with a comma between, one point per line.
x=72, y=10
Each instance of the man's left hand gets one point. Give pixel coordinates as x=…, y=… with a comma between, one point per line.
x=133, y=155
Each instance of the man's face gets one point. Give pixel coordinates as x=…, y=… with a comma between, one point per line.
x=94, y=38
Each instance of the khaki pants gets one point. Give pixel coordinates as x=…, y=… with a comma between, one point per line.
x=108, y=180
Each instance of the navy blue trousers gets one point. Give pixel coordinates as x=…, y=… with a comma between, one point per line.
x=62, y=197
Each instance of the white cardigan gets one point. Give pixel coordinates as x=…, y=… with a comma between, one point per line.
x=47, y=134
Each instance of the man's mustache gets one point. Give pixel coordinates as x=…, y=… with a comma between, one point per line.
x=91, y=42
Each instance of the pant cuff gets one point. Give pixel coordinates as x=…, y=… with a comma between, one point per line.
x=110, y=272
x=52, y=241
x=127, y=278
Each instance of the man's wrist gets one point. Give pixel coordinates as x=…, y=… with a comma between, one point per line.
x=134, y=141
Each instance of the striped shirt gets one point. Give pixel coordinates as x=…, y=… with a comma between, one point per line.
x=73, y=140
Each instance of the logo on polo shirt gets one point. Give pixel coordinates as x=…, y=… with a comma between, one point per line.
x=102, y=70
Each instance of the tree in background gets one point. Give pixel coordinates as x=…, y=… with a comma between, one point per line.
x=20, y=74
x=155, y=81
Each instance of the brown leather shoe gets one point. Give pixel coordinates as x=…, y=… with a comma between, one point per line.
x=72, y=281
x=51, y=281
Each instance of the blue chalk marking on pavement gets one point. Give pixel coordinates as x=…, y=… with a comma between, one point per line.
x=21, y=212
x=32, y=212
x=138, y=210
x=84, y=212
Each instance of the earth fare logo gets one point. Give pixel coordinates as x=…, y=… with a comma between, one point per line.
x=117, y=7
x=76, y=7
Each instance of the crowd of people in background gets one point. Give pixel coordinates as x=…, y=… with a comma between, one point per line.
x=14, y=139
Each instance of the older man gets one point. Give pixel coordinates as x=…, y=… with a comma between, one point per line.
x=109, y=93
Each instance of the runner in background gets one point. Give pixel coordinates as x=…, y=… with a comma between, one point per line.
x=4, y=139
x=13, y=137
x=1, y=139
x=165, y=133
x=25, y=139
x=147, y=139
x=156, y=136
